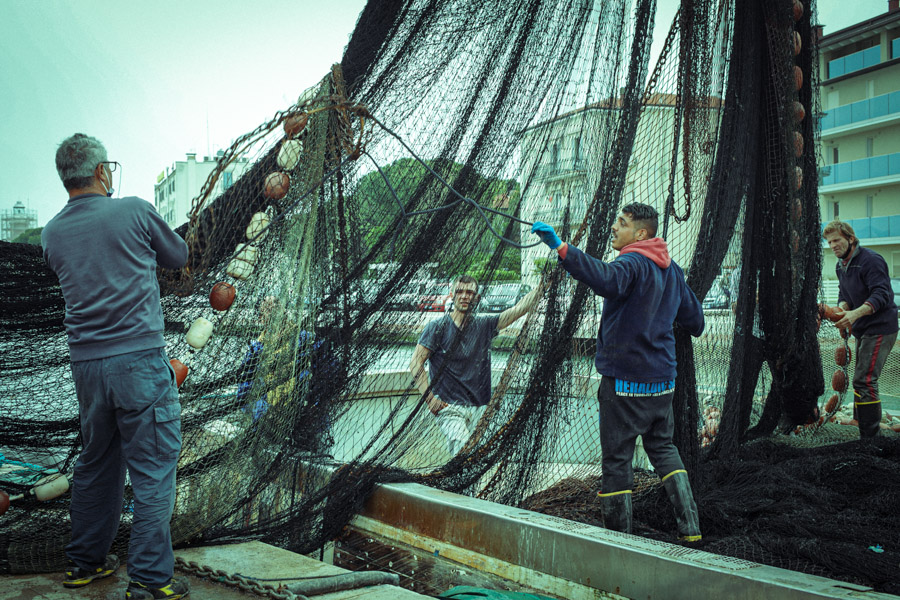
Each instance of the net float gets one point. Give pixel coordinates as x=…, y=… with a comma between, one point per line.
x=277, y=185
x=839, y=381
x=181, y=371
x=295, y=124
x=241, y=266
x=798, y=144
x=798, y=77
x=222, y=296
x=199, y=333
x=798, y=43
x=289, y=154
x=798, y=177
x=257, y=227
x=797, y=10
x=46, y=488
x=842, y=356
x=832, y=403
x=798, y=110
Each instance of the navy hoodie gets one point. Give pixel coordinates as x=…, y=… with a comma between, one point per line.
x=645, y=294
x=865, y=280
x=105, y=252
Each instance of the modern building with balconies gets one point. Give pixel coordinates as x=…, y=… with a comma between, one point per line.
x=859, y=73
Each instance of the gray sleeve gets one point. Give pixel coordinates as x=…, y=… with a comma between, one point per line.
x=171, y=250
x=430, y=336
x=488, y=327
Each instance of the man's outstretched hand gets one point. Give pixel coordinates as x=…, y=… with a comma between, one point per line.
x=547, y=234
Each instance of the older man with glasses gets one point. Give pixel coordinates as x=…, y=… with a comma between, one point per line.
x=105, y=252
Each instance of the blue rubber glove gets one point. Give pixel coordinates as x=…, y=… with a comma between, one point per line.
x=547, y=235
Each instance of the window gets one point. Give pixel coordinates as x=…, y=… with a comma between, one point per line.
x=837, y=210
x=834, y=155
x=869, y=203
x=870, y=147
x=870, y=88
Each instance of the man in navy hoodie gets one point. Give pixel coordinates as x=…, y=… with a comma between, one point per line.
x=867, y=300
x=105, y=252
x=645, y=294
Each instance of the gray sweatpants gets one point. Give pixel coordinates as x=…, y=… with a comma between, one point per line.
x=130, y=418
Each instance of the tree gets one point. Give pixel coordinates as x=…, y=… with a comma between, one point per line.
x=407, y=176
x=29, y=236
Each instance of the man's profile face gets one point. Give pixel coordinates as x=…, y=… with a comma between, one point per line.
x=464, y=296
x=624, y=232
x=838, y=244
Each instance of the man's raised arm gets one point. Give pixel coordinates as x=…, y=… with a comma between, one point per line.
x=510, y=315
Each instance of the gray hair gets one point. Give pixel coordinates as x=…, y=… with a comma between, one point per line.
x=76, y=159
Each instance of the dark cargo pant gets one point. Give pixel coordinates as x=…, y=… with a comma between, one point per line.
x=622, y=419
x=130, y=417
x=871, y=353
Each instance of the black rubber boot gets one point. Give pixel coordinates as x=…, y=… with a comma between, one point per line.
x=869, y=416
x=678, y=488
x=616, y=510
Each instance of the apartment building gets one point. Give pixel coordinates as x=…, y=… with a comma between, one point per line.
x=859, y=74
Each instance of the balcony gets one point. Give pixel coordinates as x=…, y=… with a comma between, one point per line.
x=854, y=62
x=876, y=230
x=859, y=174
x=564, y=168
x=853, y=117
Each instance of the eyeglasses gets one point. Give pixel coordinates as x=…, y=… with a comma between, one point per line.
x=111, y=164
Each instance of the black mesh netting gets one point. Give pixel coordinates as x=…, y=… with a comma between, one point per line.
x=447, y=128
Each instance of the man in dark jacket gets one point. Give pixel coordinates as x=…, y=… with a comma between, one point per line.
x=105, y=252
x=867, y=300
x=645, y=294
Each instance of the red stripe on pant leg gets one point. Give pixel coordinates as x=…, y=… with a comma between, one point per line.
x=872, y=393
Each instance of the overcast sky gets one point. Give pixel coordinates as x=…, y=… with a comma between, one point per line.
x=145, y=77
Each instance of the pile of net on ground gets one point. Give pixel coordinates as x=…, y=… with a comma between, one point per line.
x=446, y=128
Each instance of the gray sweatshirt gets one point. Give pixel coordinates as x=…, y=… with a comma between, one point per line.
x=105, y=252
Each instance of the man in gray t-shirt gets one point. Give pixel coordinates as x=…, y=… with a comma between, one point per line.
x=458, y=350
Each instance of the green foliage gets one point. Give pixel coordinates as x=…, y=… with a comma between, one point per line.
x=540, y=263
x=29, y=236
x=407, y=176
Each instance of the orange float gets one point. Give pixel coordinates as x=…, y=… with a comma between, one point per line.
x=277, y=185
x=180, y=369
x=839, y=381
x=842, y=356
x=221, y=296
x=295, y=124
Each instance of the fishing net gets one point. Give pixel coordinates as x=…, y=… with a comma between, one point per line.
x=425, y=154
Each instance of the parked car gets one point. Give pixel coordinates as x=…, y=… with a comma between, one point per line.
x=407, y=298
x=434, y=297
x=716, y=298
x=501, y=296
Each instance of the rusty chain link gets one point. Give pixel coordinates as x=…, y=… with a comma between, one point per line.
x=236, y=581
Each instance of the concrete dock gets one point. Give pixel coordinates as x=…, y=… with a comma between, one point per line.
x=250, y=559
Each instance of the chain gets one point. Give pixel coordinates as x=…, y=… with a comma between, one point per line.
x=234, y=581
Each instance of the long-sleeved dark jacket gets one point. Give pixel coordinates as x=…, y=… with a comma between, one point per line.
x=645, y=294
x=865, y=280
